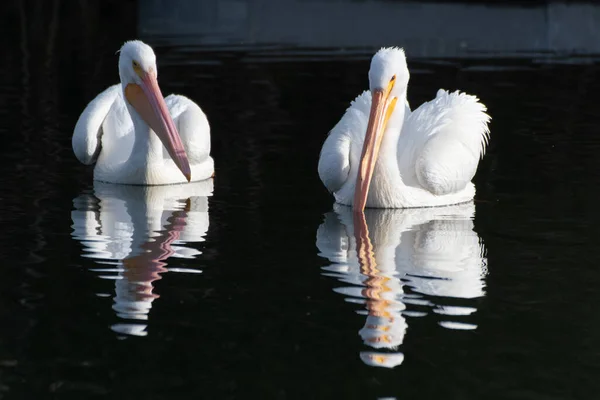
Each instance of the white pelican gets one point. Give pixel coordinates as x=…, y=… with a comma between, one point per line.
x=137, y=137
x=382, y=155
x=381, y=253
x=134, y=232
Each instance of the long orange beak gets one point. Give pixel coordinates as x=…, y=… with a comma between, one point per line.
x=382, y=108
x=148, y=101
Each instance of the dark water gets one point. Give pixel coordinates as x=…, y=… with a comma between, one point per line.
x=255, y=291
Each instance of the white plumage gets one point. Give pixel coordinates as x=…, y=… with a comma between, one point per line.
x=152, y=149
x=427, y=157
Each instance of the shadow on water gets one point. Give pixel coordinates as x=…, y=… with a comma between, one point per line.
x=261, y=320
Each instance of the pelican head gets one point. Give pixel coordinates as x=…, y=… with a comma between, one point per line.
x=389, y=65
x=138, y=72
x=388, y=81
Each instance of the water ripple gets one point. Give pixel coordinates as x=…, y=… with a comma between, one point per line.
x=400, y=264
x=131, y=231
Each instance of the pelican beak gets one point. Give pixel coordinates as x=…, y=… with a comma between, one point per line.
x=149, y=102
x=382, y=108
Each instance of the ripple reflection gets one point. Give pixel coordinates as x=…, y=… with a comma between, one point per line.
x=402, y=264
x=131, y=231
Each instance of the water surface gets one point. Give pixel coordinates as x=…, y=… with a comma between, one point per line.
x=251, y=286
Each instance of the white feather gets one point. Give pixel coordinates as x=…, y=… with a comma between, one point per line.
x=334, y=160
x=428, y=157
x=88, y=130
x=105, y=132
x=453, y=133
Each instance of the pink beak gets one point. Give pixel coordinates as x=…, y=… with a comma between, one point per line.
x=149, y=102
x=381, y=109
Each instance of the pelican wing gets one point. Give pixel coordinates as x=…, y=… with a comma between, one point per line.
x=344, y=141
x=453, y=130
x=193, y=127
x=86, y=141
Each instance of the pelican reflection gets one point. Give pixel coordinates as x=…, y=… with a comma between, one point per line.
x=402, y=264
x=131, y=231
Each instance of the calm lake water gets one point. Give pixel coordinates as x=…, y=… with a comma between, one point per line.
x=248, y=286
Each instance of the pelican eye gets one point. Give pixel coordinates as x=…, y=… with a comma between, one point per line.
x=393, y=78
x=137, y=68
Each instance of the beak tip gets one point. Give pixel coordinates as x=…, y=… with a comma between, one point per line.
x=188, y=176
